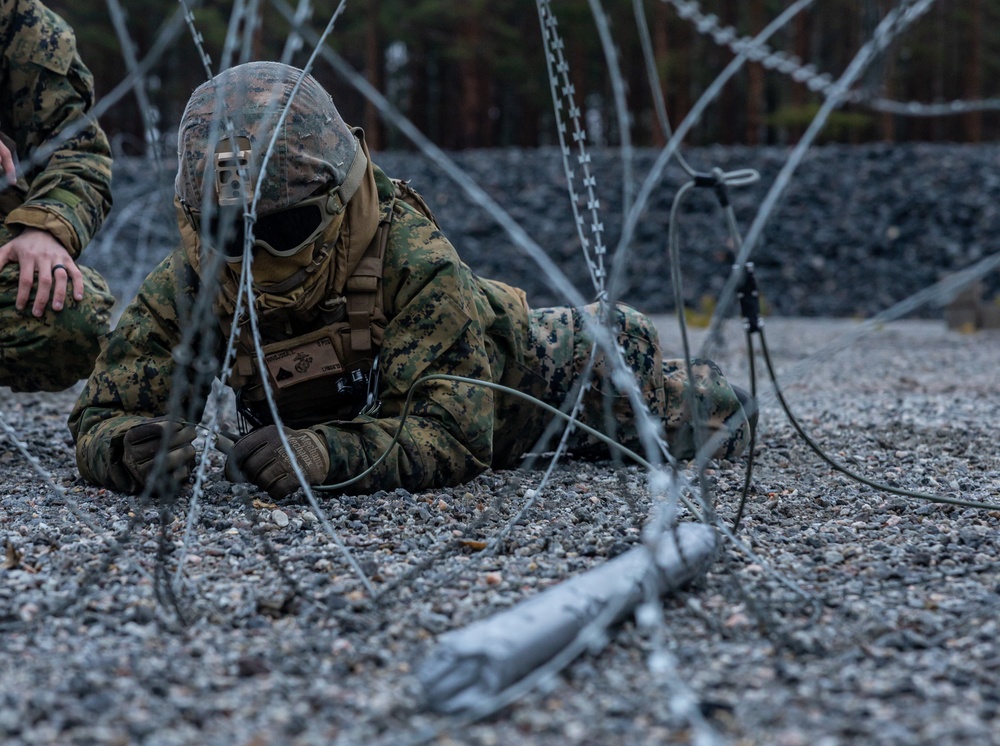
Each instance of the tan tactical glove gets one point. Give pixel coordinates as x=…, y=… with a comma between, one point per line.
x=142, y=443
x=261, y=459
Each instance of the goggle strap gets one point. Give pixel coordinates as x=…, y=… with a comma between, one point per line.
x=355, y=175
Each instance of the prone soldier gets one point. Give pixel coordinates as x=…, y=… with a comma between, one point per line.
x=358, y=295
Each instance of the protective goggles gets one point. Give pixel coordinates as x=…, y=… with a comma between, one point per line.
x=282, y=233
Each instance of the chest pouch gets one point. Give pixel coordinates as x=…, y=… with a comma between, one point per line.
x=326, y=375
x=330, y=374
x=311, y=381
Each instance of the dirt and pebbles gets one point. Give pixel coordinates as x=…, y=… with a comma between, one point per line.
x=850, y=616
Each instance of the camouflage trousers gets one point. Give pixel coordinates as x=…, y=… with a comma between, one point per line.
x=563, y=350
x=55, y=351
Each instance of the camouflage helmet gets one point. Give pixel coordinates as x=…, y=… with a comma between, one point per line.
x=314, y=147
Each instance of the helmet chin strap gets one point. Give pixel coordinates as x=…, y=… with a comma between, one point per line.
x=355, y=174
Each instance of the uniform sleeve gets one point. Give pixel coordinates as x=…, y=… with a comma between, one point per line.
x=45, y=95
x=133, y=376
x=435, y=327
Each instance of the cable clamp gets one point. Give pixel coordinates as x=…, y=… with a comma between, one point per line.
x=715, y=180
x=749, y=299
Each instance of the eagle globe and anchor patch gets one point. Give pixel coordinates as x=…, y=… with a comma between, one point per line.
x=302, y=359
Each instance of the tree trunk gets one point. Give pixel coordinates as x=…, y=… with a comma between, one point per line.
x=374, y=73
x=973, y=77
x=661, y=53
x=729, y=115
x=887, y=120
x=681, y=67
x=755, y=86
x=800, y=92
x=419, y=88
x=472, y=96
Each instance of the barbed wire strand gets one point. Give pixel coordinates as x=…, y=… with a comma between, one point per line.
x=893, y=24
x=611, y=61
x=150, y=117
x=161, y=484
x=822, y=83
x=246, y=288
x=563, y=92
x=667, y=153
x=907, y=15
x=600, y=335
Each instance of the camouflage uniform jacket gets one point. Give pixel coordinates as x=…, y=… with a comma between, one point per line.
x=442, y=319
x=45, y=94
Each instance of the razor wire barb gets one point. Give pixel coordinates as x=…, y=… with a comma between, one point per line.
x=910, y=14
x=246, y=288
x=602, y=338
x=243, y=20
x=189, y=18
x=276, y=416
x=563, y=93
x=894, y=23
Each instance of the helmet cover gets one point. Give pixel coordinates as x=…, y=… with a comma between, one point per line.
x=314, y=147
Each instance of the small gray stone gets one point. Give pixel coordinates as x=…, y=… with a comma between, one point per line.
x=279, y=517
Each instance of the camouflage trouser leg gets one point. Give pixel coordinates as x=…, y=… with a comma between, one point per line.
x=562, y=350
x=55, y=351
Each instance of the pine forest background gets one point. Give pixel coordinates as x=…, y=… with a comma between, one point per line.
x=472, y=74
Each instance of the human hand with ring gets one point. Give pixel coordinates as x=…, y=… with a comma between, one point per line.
x=40, y=253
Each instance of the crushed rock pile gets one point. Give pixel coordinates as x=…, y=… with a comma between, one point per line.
x=859, y=229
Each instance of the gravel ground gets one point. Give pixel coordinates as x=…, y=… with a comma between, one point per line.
x=859, y=617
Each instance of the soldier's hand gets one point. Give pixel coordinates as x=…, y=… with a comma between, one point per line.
x=144, y=441
x=260, y=458
x=39, y=252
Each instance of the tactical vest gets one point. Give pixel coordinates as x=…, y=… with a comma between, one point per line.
x=329, y=373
